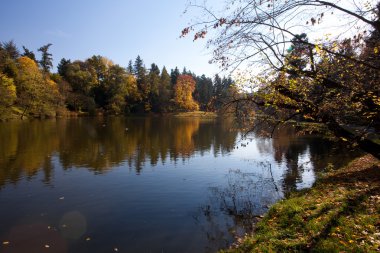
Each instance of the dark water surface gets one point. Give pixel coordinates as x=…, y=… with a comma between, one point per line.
x=143, y=184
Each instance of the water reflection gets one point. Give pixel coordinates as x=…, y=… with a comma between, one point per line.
x=146, y=184
x=236, y=205
x=303, y=156
x=99, y=144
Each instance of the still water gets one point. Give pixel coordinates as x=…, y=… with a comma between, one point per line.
x=144, y=184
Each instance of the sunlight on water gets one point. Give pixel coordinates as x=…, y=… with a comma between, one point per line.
x=144, y=184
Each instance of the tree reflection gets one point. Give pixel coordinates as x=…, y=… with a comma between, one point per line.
x=300, y=154
x=235, y=205
x=99, y=144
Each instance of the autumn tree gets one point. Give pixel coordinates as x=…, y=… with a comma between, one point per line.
x=332, y=81
x=82, y=80
x=118, y=87
x=36, y=94
x=8, y=95
x=183, y=91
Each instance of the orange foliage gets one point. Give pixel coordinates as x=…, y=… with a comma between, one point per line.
x=183, y=93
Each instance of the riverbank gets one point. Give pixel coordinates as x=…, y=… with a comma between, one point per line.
x=17, y=114
x=196, y=114
x=340, y=213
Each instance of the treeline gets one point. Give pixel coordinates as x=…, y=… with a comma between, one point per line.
x=97, y=85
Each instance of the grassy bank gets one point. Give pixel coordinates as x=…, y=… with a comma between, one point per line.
x=341, y=213
x=200, y=114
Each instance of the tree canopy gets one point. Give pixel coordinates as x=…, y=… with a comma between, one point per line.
x=95, y=85
x=299, y=67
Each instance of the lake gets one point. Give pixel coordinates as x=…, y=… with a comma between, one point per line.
x=145, y=184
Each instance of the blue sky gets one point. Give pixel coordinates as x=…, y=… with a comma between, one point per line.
x=117, y=29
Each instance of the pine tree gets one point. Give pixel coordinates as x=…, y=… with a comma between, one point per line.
x=174, y=75
x=46, y=61
x=29, y=54
x=62, y=67
x=165, y=91
x=130, y=67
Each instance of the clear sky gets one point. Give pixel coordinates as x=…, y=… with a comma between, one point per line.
x=117, y=29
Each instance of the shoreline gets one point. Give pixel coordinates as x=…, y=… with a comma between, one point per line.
x=339, y=213
x=69, y=114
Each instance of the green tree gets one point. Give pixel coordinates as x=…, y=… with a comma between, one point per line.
x=203, y=92
x=174, y=75
x=8, y=54
x=130, y=67
x=82, y=80
x=11, y=49
x=29, y=54
x=154, y=83
x=118, y=89
x=46, y=61
x=142, y=84
x=63, y=66
x=165, y=91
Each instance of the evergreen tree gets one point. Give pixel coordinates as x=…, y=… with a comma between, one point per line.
x=142, y=83
x=46, y=61
x=130, y=67
x=203, y=91
x=29, y=54
x=138, y=67
x=63, y=66
x=154, y=69
x=11, y=49
x=165, y=91
x=154, y=83
x=174, y=75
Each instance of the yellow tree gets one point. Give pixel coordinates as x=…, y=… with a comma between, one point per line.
x=8, y=95
x=36, y=93
x=183, y=93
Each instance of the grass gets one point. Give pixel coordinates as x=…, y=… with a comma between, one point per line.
x=340, y=213
x=200, y=114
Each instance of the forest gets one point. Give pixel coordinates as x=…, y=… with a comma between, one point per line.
x=98, y=85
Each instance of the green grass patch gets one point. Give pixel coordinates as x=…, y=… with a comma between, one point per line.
x=199, y=114
x=340, y=213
